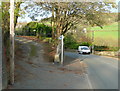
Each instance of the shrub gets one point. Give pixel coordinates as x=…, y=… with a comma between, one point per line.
x=41, y=30
x=105, y=48
x=85, y=44
x=74, y=46
x=70, y=42
x=101, y=48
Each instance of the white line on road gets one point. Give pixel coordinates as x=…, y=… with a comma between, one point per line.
x=89, y=83
x=87, y=78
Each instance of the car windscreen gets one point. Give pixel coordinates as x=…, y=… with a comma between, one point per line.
x=84, y=48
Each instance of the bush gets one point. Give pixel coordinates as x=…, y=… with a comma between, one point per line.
x=70, y=42
x=41, y=30
x=101, y=48
x=85, y=44
x=105, y=48
x=74, y=46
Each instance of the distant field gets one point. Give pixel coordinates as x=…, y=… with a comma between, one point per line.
x=107, y=36
x=111, y=27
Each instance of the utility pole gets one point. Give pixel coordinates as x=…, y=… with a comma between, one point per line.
x=11, y=41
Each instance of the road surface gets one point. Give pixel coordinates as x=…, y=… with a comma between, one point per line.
x=101, y=72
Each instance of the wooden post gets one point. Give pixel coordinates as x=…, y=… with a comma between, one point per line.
x=11, y=41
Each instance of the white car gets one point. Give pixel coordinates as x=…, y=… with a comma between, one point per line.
x=84, y=50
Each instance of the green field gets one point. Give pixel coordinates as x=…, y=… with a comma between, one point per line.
x=111, y=27
x=107, y=36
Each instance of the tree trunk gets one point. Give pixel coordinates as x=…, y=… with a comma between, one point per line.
x=53, y=24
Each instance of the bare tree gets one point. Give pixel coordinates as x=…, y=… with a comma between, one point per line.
x=66, y=15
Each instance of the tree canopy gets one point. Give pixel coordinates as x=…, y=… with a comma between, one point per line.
x=66, y=15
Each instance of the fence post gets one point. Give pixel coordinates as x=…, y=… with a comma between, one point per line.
x=11, y=41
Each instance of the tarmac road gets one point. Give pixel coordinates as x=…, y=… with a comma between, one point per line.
x=102, y=72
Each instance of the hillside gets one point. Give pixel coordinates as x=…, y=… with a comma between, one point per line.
x=109, y=27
